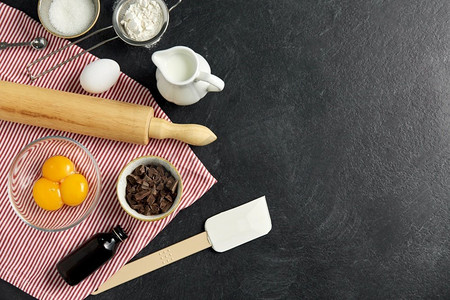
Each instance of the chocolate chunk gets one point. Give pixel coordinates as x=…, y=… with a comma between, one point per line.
x=147, y=179
x=138, y=207
x=173, y=188
x=139, y=170
x=132, y=179
x=147, y=210
x=129, y=198
x=151, y=199
x=160, y=186
x=154, y=209
x=141, y=195
x=168, y=198
x=151, y=172
x=160, y=170
x=156, y=178
x=151, y=189
x=131, y=189
x=165, y=205
x=154, y=191
x=170, y=181
x=145, y=185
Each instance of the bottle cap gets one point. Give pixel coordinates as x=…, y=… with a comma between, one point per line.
x=120, y=233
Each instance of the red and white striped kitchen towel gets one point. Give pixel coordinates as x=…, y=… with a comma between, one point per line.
x=28, y=256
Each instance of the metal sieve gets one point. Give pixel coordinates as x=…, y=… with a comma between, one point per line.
x=118, y=14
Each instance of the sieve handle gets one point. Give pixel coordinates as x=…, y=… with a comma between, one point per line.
x=7, y=45
x=175, y=5
x=34, y=77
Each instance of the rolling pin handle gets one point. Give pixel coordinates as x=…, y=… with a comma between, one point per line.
x=192, y=134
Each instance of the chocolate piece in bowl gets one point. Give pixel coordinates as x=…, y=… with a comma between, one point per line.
x=151, y=190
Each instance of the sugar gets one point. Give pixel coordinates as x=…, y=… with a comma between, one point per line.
x=71, y=17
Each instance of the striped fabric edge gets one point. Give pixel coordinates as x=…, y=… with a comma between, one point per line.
x=31, y=267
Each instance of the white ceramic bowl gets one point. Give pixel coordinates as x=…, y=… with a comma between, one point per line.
x=122, y=185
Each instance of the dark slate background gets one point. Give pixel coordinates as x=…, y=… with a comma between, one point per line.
x=338, y=112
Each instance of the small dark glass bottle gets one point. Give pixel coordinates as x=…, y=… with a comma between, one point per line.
x=90, y=256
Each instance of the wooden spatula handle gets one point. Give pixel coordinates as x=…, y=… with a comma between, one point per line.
x=156, y=260
x=89, y=115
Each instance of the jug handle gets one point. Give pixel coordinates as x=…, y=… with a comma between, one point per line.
x=215, y=83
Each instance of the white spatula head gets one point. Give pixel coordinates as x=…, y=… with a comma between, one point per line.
x=239, y=225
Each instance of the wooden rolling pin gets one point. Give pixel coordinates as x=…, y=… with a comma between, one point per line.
x=93, y=116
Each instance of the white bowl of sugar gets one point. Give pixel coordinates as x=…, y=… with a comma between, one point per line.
x=68, y=18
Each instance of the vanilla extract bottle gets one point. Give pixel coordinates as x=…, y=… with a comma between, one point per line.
x=90, y=256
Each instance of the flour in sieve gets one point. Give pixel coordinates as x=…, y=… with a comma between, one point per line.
x=143, y=20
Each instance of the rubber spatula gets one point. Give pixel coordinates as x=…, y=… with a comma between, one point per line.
x=223, y=232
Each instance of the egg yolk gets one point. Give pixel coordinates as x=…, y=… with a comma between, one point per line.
x=47, y=195
x=74, y=189
x=57, y=168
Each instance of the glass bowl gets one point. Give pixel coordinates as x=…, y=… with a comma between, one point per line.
x=26, y=169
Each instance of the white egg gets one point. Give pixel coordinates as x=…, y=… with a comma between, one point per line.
x=99, y=76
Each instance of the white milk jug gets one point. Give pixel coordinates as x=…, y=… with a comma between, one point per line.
x=183, y=76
